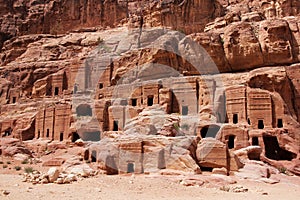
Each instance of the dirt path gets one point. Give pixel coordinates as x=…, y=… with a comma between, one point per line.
x=139, y=187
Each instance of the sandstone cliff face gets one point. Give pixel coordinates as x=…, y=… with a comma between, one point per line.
x=30, y=16
x=251, y=46
x=256, y=44
x=19, y=17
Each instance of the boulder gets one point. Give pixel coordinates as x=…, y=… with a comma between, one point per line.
x=172, y=172
x=79, y=142
x=148, y=122
x=56, y=145
x=212, y=153
x=53, y=174
x=21, y=157
x=220, y=171
x=242, y=47
x=83, y=170
x=214, y=180
x=256, y=170
x=13, y=150
x=275, y=39
x=234, y=162
x=54, y=162
x=70, y=178
x=170, y=153
x=157, y=152
x=251, y=152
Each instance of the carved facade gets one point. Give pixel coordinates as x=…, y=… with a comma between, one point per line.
x=255, y=107
x=53, y=122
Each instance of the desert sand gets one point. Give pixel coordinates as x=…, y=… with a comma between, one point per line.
x=135, y=187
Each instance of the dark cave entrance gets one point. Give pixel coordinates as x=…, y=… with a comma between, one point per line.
x=75, y=137
x=274, y=151
x=279, y=123
x=255, y=141
x=209, y=131
x=150, y=100
x=116, y=126
x=235, y=118
x=130, y=168
x=94, y=156
x=61, y=137
x=111, y=166
x=261, y=124
x=231, y=139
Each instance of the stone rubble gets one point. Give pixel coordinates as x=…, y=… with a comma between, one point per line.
x=54, y=175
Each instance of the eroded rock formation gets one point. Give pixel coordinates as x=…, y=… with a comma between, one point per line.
x=119, y=72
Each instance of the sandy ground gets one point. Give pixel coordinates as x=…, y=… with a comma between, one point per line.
x=141, y=187
x=135, y=187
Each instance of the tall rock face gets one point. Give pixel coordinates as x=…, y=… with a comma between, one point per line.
x=184, y=15
x=20, y=17
x=242, y=47
x=53, y=50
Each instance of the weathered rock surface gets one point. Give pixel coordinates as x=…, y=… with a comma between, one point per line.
x=53, y=174
x=83, y=170
x=257, y=170
x=11, y=147
x=147, y=154
x=220, y=171
x=241, y=46
x=251, y=152
x=154, y=121
x=21, y=17
x=54, y=162
x=151, y=105
x=212, y=153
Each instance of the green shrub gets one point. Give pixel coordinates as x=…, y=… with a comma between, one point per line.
x=1, y=162
x=4, y=166
x=176, y=126
x=25, y=161
x=28, y=170
x=99, y=40
x=283, y=170
x=17, y=168
x=8, y=162
x=225, y=188
x=222, y=41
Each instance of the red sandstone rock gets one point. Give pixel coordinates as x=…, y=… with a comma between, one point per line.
x=260, y=107
x=220, y=171
x=54, y=162
x=275, y=40
x=242, y=47
x=256, y=170
x=251, y=152
x=158, y=152
x=212, y=153
x=53, y=174
x=13, y=150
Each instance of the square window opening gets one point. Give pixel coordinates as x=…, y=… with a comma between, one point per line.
x=150, y=100
x=134, y=102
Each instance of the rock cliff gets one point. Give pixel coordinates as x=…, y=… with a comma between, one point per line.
x=98, y=69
